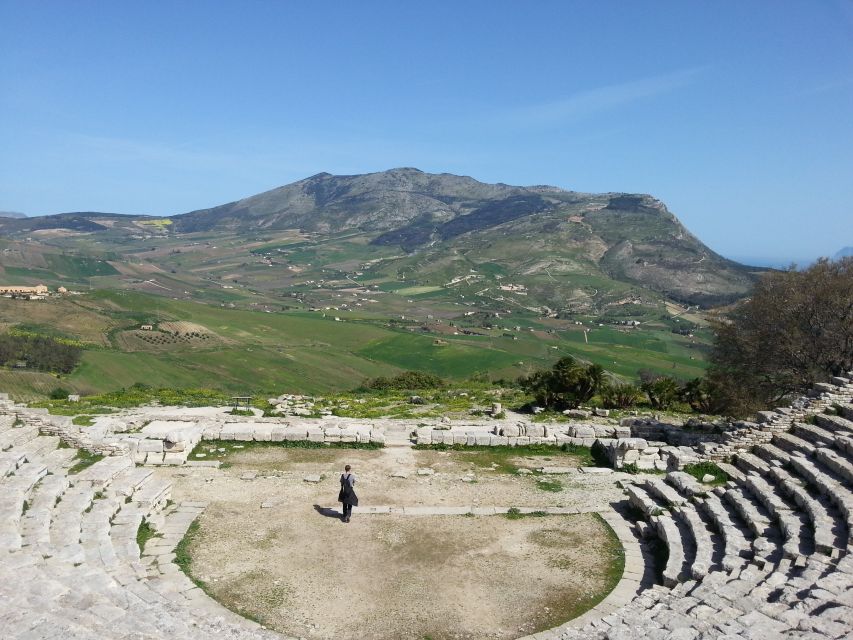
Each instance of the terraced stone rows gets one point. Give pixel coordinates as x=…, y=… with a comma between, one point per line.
x=766, y=556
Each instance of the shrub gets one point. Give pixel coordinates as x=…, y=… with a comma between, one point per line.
x=662, y=391
x=406, y=381
x=620, y=395
x=567, y=385
x=59, y=393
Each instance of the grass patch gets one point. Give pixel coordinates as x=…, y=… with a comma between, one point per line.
x=84, y=459
x=145, y=533
x=182, y=554
x=241, y=412
x=83, y=421
x=515, y=514
x=202, y=450
x=501, y=459
x=700, y=469
x=554, y=486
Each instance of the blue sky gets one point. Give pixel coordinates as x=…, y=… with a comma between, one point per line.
x=738, y=115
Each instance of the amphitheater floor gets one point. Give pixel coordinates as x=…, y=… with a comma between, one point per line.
x=387, y=576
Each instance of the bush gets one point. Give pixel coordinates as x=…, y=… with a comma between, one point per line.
x=567, y=385
x=662, y=391
x=59, y=393
x=619, y=395
x=406, y=381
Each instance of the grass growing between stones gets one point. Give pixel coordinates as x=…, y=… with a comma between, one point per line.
x=145, y=533
x=700, y=469
x=515, y=513
x=83, y=421
x=221, y=449
x=182, y=554
x=506, y=459
x=84, y=459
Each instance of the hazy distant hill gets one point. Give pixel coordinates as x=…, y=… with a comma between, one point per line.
x=12, y=214
x=844, y=253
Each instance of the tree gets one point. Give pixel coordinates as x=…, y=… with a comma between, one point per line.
x=567, y=385
x=795, y=330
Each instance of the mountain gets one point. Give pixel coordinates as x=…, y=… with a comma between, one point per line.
x=844, y=253
x=536, y=231
x=12, y=214
x=436, y=239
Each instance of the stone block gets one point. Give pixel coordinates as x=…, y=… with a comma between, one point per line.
x=154, y=458
x=174, y=458
x=581, y=431
x=149, y=446
x=314, y=434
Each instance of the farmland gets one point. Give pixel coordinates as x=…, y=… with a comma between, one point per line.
x=241, y=351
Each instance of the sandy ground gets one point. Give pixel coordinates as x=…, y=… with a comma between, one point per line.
x=385, y=577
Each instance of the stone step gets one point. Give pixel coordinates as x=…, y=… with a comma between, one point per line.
x=835, y=461
x=756, y=518
x=749, y=463
x=686, y=484
x=837, y=424
x=824, y=481
x=17, y=437
x=669, y=532
x=663, y=492
x=642, y=500
x=816, y=435
x=829, y=530
x=792, y=524
x=736, y=536
x=100, y=474
x=771, y=454
x=792, y=444
x=704, y=547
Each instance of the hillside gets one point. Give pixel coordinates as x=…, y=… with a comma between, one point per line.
x=561, y=251
x=438, y=272
x=528, y=231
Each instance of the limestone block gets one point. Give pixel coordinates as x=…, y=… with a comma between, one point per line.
x=243, y=432
x=625, y=444
x=510, y=430
x=460, y=438
x=315, y=434
x=498, y=441
x=632, y=455
x=154, y=458
x=263, y=433
x=174, y=458
x=377, y=437
x=581, y=431
x=174, y=447
x=577, y=413
x=535, y=430
x=277, y=433
x=212, y=432
x=149, y=445
x=296, y=433
x=482, y=439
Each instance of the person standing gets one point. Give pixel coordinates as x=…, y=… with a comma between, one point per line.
x=347, y=495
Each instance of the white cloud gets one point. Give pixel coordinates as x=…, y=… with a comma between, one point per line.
x=592, y=101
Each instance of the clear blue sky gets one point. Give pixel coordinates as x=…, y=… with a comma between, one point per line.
x=739, y=115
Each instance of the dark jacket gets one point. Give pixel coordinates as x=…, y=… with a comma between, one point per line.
x=347, y=493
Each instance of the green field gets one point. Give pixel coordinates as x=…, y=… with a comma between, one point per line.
x=303, y=352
